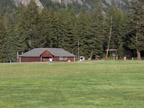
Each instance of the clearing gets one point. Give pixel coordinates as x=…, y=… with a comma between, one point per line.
x=96, y=84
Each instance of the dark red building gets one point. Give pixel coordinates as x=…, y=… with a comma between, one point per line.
x=44, y=54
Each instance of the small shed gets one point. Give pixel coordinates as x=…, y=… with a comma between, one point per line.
x=112, y=52
x=44, y=54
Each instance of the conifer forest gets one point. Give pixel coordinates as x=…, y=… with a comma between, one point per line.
x=23, y=28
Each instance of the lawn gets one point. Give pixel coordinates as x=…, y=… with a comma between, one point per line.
x=96, y=84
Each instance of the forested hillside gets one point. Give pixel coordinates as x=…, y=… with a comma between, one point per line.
x=7, y=6
x=78, y=5
x=86, y=5
x=23, y=28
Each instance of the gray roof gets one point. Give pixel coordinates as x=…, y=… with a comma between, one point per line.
x=54, y=51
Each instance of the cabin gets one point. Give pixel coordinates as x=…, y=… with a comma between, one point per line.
x=44, y=54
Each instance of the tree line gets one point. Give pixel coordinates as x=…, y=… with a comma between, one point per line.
x=87, y=33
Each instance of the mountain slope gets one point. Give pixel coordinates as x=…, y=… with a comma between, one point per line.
x=26, y=2
x=78, y=5
x=90, y=2
x=84, y=5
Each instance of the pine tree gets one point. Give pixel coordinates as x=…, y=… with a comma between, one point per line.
x=48, y=28
x=69, y=38
x=44, y=28
x=7, y=6
x=28, y=27
x=20, y=31
x=122, y=31
x=115, y=30
x=49, y=33
x=82, y=34
x=32, y=24
x=137, y=34
x=96, y=32
x=62, y=16
x=2, y=40
x=10, y=37
x=53, y=28
x=109, y=29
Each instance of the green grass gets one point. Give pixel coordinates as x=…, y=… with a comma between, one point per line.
x=97, y=84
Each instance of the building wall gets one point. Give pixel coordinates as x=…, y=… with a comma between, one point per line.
x=30, y=59
x=46, y=56
x=38, y=59
x=72, y=59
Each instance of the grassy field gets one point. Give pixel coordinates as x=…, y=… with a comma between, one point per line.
x=99, y=84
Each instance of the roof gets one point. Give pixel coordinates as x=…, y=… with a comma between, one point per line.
x=54, y=51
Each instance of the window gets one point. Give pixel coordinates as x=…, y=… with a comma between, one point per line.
x=63, y=58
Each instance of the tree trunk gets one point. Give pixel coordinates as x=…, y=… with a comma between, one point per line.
x=91, y=55
x=138, y=55
x=137, y=42
x=107, y=51
x=30, y=44
x=110, y=35
x=17, y=56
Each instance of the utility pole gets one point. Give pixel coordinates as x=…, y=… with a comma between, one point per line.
x=66, y=4
x=78, y=49
x=110, y=35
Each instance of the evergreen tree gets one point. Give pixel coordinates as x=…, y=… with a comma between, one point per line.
x=53, y=28
x=136, y=33
x=69, y=39
x=28, y=27
x=44, y=28
x=2, y=40
x=32, y=24
x=96, y=32
x=122, y=31
x=49, y=28
x=82, y=34
x=10, y=37
x=7, y=6
x=62, y=16
x=20, y=30
x=115, y=30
